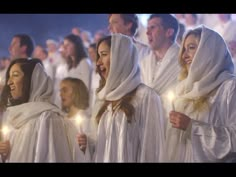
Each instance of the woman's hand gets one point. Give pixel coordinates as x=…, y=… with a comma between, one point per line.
x=82, y=141
x=4, y=149
x=179, y=120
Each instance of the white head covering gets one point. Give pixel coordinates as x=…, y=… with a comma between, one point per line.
x=40, y=94
x=124, y=74
x=41, y=85
x=211, y=66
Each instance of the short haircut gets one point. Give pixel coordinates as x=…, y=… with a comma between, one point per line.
x=27, y=41
x=168, y=21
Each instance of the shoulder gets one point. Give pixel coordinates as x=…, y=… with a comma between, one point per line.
x=228, y=87
x=85, y=61
x=143, y=91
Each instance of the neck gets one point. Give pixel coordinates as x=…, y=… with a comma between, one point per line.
x=72, y=111
x=160, y=53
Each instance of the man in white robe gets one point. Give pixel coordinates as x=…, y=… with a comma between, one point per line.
x=160, y=68
x=206, y=133
x=127, y=24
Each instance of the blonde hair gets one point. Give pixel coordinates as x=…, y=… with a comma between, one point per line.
x=199, y=104
x=80, y=92
x=184, y=71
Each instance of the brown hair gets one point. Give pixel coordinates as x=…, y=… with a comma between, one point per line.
x=125, y=102
x=27, y=66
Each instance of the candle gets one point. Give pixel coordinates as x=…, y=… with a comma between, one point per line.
x=171, y=97
x=5, y=132
x=79, y=123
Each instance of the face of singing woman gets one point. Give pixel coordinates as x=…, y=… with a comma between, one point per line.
x=189, y=49
x=103, y=62
x=15, y=81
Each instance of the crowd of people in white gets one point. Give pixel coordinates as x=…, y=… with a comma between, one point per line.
x=107, y=98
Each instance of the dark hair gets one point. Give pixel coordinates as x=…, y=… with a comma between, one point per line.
x=168, y=21
x=125, y=101
x=130, y=18
x=80, y=51
x=93, y=45
x=102, y=81
x=27, y=41
x=80, y=93
x=27, y=67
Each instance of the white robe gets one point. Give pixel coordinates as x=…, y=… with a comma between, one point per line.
x=82, y=122
x=38, y=131
x=210, y=137
x=162, y=77
x=141, y=140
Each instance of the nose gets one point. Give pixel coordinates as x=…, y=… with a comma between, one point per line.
x=185, y=54
x=148, y=31
x=99, y=62
x=9, y=82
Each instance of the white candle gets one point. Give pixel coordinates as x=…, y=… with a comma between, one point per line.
x=79, y=122
x=5, y=131
x=171, y=97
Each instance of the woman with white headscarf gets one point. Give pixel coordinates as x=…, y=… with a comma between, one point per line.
x=37, y=131
x=202, y=128
x=130, y=125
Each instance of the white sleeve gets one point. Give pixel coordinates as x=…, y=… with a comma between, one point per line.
x=217, y=142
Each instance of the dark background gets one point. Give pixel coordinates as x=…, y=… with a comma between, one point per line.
x=44, y=26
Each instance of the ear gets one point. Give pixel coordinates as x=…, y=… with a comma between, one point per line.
x=23, y=48
x=169, y=32
x=129, y=26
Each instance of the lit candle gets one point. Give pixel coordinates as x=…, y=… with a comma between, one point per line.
x=79, y=122
x=5, y=131
x=171, y=97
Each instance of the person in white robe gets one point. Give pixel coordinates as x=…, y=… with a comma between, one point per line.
x=160, y=68
x=128, y=24
x=79, y=65
x=75, y=100
x=130, y=123
x=42, y=54
x=33, y=129
x=201, y=128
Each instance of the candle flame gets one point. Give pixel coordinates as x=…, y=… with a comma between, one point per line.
x=171, y=96
x=5, y=130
